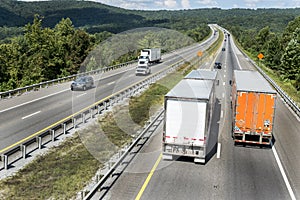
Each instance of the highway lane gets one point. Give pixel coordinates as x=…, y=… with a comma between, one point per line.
x=239, y=173
x=286, y=134
x=24, y=115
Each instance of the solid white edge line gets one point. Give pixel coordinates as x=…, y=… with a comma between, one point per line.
x=219, y=150
x=287, y=183
x=113, y=82
x=22, y=104
x=81, y=95
x=31, y=114
x=234, y=49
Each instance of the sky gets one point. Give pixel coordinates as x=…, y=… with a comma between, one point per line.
x=193, y=4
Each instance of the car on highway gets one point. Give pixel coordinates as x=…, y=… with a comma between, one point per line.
x=223, y=49
x=143, y=70
x=82, y=83
x=218, y=65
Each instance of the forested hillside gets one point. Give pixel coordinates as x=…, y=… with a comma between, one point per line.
x=63, y=33
x=281, y=50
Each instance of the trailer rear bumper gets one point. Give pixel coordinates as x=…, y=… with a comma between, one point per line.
x=176, y=150
x=252, y=138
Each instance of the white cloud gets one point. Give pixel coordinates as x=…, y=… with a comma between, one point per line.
x=170, y=3
x=185, y=4
x=235, y=6
x=208, y=3
x=252, y=3
x=295, y=3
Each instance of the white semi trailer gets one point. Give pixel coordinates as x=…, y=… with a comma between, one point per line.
x=188, y=113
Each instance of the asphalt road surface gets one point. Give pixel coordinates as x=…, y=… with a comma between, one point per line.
x=232, y=172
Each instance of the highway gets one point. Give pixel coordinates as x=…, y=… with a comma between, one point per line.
x=29, y=113
x=233, y=172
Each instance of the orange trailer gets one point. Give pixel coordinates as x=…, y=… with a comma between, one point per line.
x=253, y=102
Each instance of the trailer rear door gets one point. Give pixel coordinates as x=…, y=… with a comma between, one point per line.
x=255, y=112
x=185, y=122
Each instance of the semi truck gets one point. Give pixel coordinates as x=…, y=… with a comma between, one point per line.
x=203, y=74
x=146, y=58
x=188, y=109
x=150, y=56
x=253, y=102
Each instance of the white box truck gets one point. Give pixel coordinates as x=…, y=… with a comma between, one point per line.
x=147, y=57
x=188, y=113
x=203, y=74
x=150, y=56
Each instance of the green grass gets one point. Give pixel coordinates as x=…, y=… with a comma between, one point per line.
x=58, y=174
x=285, y=85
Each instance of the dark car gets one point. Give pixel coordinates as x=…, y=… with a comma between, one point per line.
x=82, y=83
x=223, y=49
x=218, y=65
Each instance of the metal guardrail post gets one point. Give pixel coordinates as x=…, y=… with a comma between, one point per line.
x=74, y=123
x=98, y=109
x=105, y=105
x=52, y=135
x=64, y=125
x=39, y=141
x=23, y=148
x=5, y=160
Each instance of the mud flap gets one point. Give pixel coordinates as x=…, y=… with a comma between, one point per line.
x=199, y=160
x=167, y=157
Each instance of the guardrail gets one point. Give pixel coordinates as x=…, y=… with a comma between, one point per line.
x=123, y=161
x=292, y=104
x=36, y=141
x=51, y=82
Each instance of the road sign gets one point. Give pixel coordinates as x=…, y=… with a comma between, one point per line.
x=260, y=56
x=199, y=53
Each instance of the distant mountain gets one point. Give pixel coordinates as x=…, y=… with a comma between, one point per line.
x=82, y=13
x=97, y=17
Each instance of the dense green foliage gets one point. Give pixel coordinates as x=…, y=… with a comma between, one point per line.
x=58, y=43
x=42, y=54
x=281, y=50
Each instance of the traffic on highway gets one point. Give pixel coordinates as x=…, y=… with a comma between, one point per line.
x=232, y=166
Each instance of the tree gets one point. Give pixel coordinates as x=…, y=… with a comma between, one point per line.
x=291, y=59
x=273, y=52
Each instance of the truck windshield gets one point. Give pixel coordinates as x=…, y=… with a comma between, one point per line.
x=143, y=57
